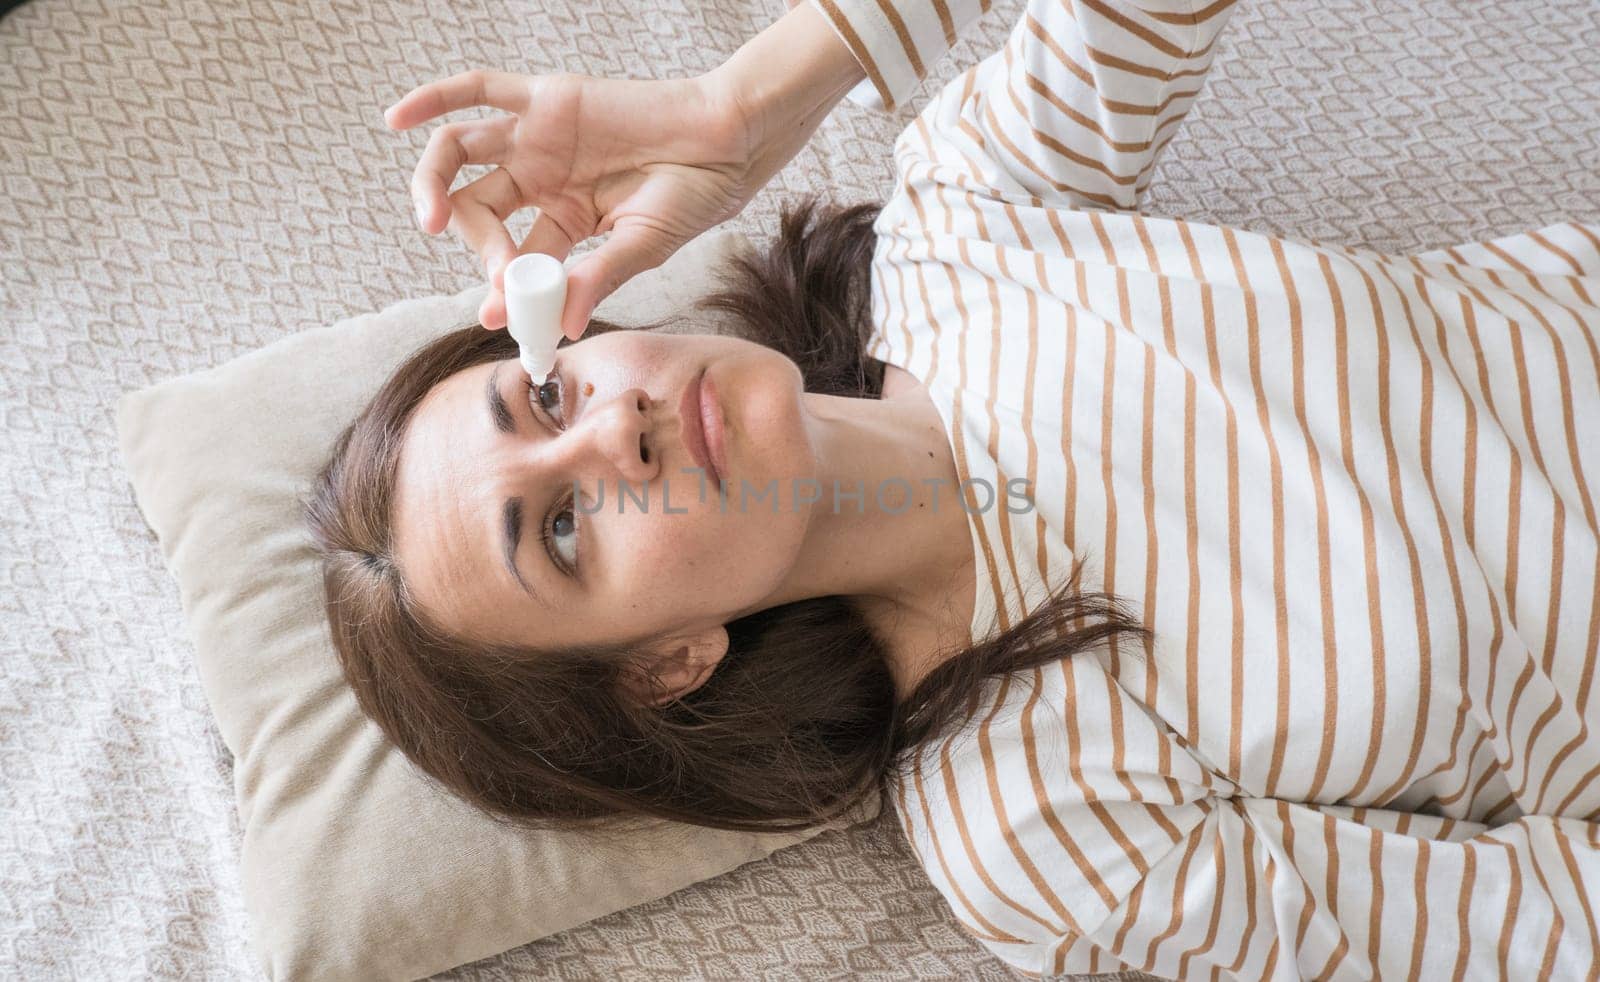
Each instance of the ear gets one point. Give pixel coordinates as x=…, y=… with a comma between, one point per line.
x=683, y=664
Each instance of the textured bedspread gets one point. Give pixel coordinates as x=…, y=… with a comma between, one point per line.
x=186, y=181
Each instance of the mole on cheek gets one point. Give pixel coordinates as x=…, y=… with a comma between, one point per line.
x=588, y=388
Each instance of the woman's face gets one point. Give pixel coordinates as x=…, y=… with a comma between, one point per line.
x=488, y=461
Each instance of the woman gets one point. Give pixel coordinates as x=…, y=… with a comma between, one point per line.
x=1340, y=727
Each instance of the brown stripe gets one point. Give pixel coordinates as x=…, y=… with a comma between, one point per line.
x=1558, y=925
x=997, y=337
x=945, y=22
x=1575, y=281
x=1138, y=30
x=1047, y=809
x=957, y=414
x=1191, y=515
x=1069, y=502
x=1380, y=687
x=899, y=25
x=1133, y=905
x=1463, y=905
x=1419, y=936
x=1447, y=553
x=984, y=929
x=1107, y=410
x=1041, y=529
x=857, y=48
x=1513, y=902
x=1330, y=846
x=1107, y=403
x=1581, y=887
x=1374, y=915
x=1148, y=478
x=1003, y=821
x=1248, y=866
x=1089, y=794
x=1139, y=68
x=1514, y=509
x=1594, y=240
x=1235, y=556
x=1088, y=123
x=1525, y=393
x=1061, y=149
x=1552, y=614
x=1297, y=374
x=922, y=284
x=1286, y=823
x=909, y=336
x=1026, y=161
x=1180, y=887
x=1219, y=863
x=1519, y=266
x=1198, y=17
x=1083, y=75
x=1275, y=476
x=1500, y=806
x=1343, y=389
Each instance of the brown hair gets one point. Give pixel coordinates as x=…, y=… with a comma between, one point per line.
x=797, y=724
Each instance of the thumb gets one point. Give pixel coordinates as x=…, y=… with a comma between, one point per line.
x=629, y=251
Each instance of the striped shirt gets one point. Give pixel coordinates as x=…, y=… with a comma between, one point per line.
x=1351, y=494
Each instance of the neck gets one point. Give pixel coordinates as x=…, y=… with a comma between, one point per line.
x=897, y=540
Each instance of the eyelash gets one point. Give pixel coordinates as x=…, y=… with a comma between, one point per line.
x=547, y=527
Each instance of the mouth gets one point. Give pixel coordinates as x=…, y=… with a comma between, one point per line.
x=695, y=414
x=712, y=425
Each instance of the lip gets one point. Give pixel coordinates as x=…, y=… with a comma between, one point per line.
x=712, y=425
x=691, y=425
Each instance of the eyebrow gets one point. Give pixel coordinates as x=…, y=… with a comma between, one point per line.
x=498, y=410
x=511, y=511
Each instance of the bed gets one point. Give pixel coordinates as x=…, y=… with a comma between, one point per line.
x=187, y=181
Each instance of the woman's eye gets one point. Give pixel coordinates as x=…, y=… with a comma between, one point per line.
x=561, y=537
x=547, y=397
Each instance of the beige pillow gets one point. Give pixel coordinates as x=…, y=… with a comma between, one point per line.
x=354, y=867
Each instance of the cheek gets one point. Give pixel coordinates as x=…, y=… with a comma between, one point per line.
x=709, y=558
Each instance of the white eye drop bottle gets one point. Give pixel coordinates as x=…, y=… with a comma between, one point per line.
x=536, y=292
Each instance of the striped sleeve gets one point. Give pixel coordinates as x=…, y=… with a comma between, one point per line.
x=1086, y=93
x=1074, y=110
x=897, y=41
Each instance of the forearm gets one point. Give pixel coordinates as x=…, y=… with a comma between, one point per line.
x=786, y=79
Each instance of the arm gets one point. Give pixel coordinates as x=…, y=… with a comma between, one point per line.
x=896, y=42
x=652, y=163
x=1075, y=108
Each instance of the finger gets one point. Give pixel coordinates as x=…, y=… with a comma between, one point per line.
x=492, y=312
x=478, y=212
x=479, y=87
x=629, y=251
x=451, y=147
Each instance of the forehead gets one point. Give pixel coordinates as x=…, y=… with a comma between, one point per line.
x=444, y=507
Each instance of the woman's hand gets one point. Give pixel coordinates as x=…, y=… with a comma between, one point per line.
x=654, y=163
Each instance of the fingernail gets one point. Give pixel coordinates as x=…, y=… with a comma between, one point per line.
x=422, y=213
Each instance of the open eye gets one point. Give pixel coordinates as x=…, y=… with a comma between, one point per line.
x=547, y=398
x=561, y=536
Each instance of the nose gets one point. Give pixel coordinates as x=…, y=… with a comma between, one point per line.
x=606, y=443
